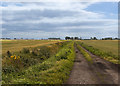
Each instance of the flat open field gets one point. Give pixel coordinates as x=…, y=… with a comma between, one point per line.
x=104, y=45
x=17, y=45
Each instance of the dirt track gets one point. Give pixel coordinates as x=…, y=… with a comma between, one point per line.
x=100, y=72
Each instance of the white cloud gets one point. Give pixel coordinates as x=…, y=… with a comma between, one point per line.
x=23, y=18
x=51, y=5
x=61, y=1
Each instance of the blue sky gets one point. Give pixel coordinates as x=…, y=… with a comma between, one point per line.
x=59, y=19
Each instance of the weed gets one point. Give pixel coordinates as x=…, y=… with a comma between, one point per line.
x=86, y=55
x=50, y=71
x=9, y=53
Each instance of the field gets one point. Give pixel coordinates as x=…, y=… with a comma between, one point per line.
x=17, y=45
x=104, y=45
x=58, y=62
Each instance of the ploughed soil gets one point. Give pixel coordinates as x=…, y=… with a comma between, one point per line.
x=98, y=72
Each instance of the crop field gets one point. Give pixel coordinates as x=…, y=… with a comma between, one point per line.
x=106, y=49
x=17, y=45
x=58, y=62
x=104, y=45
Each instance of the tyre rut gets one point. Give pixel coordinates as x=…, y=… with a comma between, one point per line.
x=81, y=72
x=107, y=72
x=100, y=72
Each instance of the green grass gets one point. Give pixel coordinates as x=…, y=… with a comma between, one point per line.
x=85, y=54
x=109, y=56
x=54, y=70
x=104, y=45
x=17, y=45
x=14, y=62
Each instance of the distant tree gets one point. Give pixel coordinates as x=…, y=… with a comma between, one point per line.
x=8, y=38
x=54, y=38
x=103, y=39
x=94, y=38
x=76, y=38
x=107, y=38
x=115, y=38
x=15, y=38
x=67, y=38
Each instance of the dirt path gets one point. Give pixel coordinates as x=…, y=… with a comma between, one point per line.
x=100, y=72
x=108, y=71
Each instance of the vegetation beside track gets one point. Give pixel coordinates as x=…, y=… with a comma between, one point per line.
x=54, y=69
x=105, y=55
x=85, y=54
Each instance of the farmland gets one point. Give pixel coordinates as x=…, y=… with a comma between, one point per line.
x=104, y=45
x=17, y=45
x=105, y=53
x=58, y=62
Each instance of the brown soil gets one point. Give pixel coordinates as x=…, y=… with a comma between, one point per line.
x=100, y=72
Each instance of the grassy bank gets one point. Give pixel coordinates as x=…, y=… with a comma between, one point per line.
x=54, y=69
x=85, y=54
x=105, y=55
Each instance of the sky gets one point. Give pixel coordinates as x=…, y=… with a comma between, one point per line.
x=59, y=19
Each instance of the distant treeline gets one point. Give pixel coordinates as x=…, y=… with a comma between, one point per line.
x=66, y=38
x=10, y=38
x=54, y=38
x=91, y=38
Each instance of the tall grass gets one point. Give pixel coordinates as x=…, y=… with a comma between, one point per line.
x=18, y=61
x=53, y=70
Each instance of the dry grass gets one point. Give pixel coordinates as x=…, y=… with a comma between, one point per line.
x=17, y=45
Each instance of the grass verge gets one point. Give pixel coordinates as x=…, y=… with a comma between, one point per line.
x=54, y=70
x=105, y=55
x=85, y=54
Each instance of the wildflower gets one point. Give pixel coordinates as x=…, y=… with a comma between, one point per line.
x=11, y=56
x=15, y=57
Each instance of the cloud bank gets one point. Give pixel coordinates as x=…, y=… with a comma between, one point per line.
x=56, y=19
